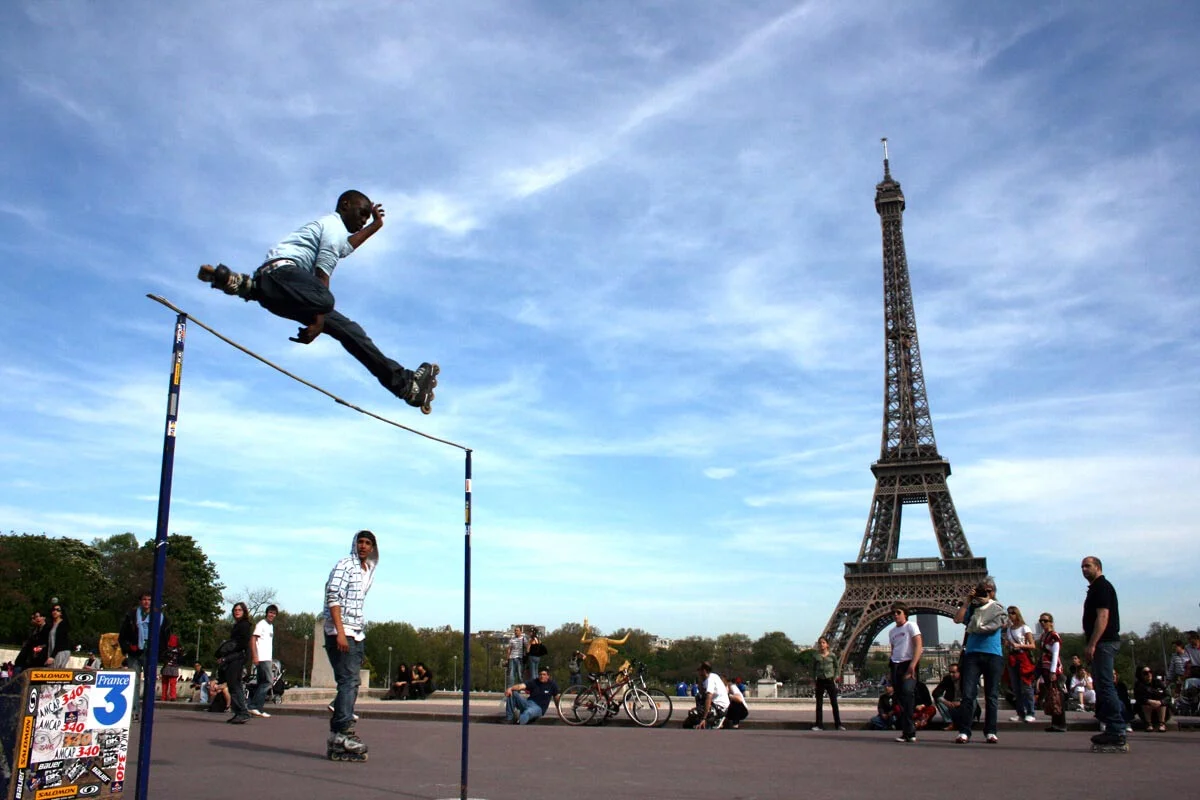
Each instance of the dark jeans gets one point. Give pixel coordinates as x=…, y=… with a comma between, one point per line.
x=906, y=693
x=1108, y=703
x=233, y=679
x=827, y=685
x=345, y=673
x=991, y=667
x=736, y=713
x=296, y=294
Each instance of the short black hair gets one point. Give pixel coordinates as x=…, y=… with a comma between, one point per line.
x=900, y=605
x=352, y=197
x=271, y=608
x=704, y=667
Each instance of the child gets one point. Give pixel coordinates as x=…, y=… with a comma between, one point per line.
x=293, y=283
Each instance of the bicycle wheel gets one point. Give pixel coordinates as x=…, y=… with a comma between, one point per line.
x=640, y=707
x=566, y=704
x=585, y=706
x=662, y=701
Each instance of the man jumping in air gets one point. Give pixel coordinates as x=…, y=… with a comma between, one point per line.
x=293, y=283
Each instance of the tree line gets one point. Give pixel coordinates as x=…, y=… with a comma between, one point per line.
x=99, y=582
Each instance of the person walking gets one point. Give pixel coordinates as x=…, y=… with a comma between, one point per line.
x=1102, y=631
x=345, y=594
x=905, y=639
x=1050, y=672
x=234, y=664
x=983, y=654
x=261, y=654
x=825, y=667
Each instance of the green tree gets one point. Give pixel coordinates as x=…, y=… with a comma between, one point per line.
x=776, y=649
x=36, y=568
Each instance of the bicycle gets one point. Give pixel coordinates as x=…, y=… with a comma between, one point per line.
x=662, y=700
x=605, y=697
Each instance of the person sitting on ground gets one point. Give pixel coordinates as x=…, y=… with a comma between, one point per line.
x=1127, y=712
x=402, y=684
x=712, y=700
x=1192, y=654
x=738, y=709
x=1083, y=690
x=945, y=697
x=1177, y=668
x=885, y=719
x=924, y=709
x=218, y=692
x=200, y=681
x=1150, y=700
x=523, y=710
x=422, y=682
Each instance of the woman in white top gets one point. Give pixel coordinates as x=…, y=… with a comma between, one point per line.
x=1021, y=668
x=738, y=710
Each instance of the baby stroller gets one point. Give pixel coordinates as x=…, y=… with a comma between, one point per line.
x=278, y=684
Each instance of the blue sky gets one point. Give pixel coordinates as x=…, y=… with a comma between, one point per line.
x=640, y=239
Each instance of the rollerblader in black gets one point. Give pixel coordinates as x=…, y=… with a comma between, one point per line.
x=293, y=283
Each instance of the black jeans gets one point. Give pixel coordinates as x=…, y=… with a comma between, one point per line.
x=906, y=689
x=827, y=685
x=296, y=294
x=233, y=680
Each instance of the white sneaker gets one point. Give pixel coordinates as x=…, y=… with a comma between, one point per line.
x=992, y=738
x=264, y=715
x=254, y=712
x=962, y=738
x=817, y=728
x=1030, y=718
x=1016, y=718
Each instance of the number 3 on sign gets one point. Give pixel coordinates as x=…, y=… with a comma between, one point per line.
x=110, y=698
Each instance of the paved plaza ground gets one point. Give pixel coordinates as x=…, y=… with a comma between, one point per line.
x=416, y=754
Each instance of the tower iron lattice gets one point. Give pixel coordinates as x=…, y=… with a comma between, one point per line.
x=909, y=471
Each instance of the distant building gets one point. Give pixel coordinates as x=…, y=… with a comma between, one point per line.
x=661, y=642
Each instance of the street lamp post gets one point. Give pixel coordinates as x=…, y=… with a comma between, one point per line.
x=456, y=673
x=199, y=624
x=487, y=646
x=304, y=678
x=387, y=681
x=1133, y=654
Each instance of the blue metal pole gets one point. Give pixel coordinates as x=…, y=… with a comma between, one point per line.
x=160, y=561
x=466, y=699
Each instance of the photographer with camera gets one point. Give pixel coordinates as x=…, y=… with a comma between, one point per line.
x=983, y=654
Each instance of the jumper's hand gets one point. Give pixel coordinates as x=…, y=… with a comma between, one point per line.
x=377, y=214
x=307, y=334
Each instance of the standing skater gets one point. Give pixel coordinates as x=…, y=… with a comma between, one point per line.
x=262, y=651
x=293, y=283
x=905, y=639
x=1102, y=630
x=345, y=592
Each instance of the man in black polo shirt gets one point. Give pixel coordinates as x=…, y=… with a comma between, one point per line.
x=1102, y=630
x=524, y=710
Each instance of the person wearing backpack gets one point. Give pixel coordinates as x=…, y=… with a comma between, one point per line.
x=983, y=654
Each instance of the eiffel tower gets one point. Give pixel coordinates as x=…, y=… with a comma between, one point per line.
x=909, y=470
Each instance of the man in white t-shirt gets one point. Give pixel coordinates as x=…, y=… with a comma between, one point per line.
x=714, y=696
x=905, y=639
x=261, y=652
